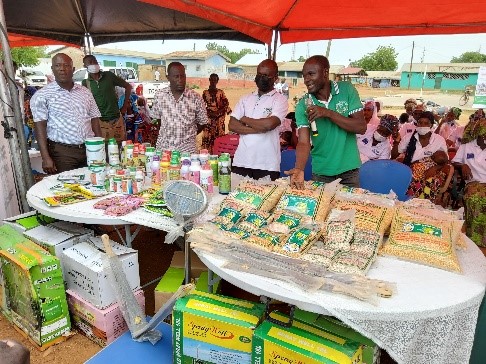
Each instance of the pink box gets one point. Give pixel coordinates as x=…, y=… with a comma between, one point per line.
x=102, y=326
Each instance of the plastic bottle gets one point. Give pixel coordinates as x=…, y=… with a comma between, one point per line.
x=174, y=168
x=207, y=178
x=138, y=186
x=155, y=167
x=164, y=169
x=113, y=152
x=149, y=155
x=128, y=152
x=186, y=163
x=224, y=177
x=195, y=172
x=203, y=157
x=213, y=163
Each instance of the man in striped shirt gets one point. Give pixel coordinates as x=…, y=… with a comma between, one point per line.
x=182, y=112
x=65, y=115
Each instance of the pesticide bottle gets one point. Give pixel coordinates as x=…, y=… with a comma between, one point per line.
x=224, y=184
x=195, y=172
x=155, y=168
x=207, y=178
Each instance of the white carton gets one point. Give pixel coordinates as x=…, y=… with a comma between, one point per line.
x=84, y=273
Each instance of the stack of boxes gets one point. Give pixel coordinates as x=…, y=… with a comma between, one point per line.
x=91, y=298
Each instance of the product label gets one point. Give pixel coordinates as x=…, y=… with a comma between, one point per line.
x=224, y=183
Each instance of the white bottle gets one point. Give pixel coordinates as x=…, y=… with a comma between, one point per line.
x=113, y=152
x=186, y=164
x=207, y=178
x=195, y=172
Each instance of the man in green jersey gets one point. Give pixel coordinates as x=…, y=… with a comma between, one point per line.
x=330, y=116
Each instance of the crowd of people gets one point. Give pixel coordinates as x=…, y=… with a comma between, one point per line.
x=330, y=123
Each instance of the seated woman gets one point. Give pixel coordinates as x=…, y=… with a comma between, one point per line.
x=426, y=154
x=375, y=143
x=470, y=158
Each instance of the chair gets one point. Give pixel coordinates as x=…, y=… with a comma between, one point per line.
x=226, y=144
x=383, y=175
x=288, y=162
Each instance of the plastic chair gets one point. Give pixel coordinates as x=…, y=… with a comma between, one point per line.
x=288, y=162
x=226, y=144
x=383, y=175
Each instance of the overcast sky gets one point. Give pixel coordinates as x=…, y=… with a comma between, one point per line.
x=432, y=48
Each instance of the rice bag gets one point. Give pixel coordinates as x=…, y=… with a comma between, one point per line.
x=423, y=240
x=372, y=212
x=260, y=196
x=284, y=221
x=351, y=263
x=255, y=220
x=339, y=229
x=299, y=240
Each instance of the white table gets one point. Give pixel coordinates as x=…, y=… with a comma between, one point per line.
x=431, y=319
x=85, y=213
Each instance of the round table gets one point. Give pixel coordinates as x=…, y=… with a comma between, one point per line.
x=430, y=319
x=85, y=213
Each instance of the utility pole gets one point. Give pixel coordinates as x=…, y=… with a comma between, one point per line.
x=293, y=52
x=423, y=56
x=410, y=69
x=328, y=50
x=308, y=52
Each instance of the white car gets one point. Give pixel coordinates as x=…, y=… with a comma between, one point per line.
x=33, y=78
x=127, y=73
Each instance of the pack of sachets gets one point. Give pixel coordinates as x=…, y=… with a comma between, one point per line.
x=299, y=240
x=339, y=229
x=255, y=220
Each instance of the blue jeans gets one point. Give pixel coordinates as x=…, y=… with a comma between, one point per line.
x=348, y=178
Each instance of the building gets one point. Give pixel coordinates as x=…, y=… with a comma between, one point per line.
x=439, y=76
x=200, y=63
x=383, y=79
x=352, y=74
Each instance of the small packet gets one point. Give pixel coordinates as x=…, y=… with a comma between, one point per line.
x=352, y=263
x=255, y=220
x=339, y=229
x=365, y=242
x=284, y=221
x=299, y=240
x=236, y=233
x=228, y=215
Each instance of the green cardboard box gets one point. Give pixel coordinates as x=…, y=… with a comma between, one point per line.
x=212, y=329
x=276, y=344
x=29, y=220
x=371, y=351
x=202, y=282
x=9, y=236
x=34, y=292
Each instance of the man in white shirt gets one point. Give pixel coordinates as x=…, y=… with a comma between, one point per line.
x=65, y=115
x=256, y=118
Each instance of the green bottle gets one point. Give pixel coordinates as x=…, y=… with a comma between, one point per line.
x=224, y=178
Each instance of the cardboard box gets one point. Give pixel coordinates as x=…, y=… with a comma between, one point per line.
x=101, y=326
x=58, y=236
x=9, y=236
x=202, y=283
x=84, y=273
x=371, y=351
x=276, y=344
x=29, y=220
x=34, y=291
x=208, y=330
x=197, y=267
x=173, y=278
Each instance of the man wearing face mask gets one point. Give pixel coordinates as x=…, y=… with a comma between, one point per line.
x=102, y=86
x=377, y=145
x=256, y=118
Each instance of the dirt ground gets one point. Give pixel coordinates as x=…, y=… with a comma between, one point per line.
x=154, y=256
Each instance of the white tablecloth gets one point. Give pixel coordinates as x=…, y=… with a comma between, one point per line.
x=431, y=319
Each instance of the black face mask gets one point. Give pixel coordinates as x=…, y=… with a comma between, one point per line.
x=264, y=84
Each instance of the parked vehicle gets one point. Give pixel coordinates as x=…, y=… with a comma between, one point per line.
x=33, y=78
x=127, y=73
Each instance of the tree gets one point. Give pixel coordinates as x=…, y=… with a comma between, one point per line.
x=233, y=56
x=28, y=56
x=301, y=59
x=470, y=57
x=383, y=59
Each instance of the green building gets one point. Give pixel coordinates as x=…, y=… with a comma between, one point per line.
x=439, y=76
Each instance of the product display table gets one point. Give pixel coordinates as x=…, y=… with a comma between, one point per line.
x=85, y=213
x=430, y=319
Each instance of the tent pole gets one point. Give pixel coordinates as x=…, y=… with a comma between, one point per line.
x=269, y=50
x=18, y=145
x=275, y=40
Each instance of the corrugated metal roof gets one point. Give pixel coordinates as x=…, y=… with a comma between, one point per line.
x=194, y=55
x=123, y=52
x=390, y=75
x=443, y=67
x=352, y=71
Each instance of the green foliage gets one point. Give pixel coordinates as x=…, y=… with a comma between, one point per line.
x=233, y=56
x=28, y=56
x=470, y=57
x=302, y=59
x=383, y=59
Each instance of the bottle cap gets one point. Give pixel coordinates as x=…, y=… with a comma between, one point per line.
x=112, y=141
x=156, y=158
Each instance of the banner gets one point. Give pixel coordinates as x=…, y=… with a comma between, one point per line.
x=480, y=94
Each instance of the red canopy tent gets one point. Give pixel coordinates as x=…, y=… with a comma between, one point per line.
x=19, y=40
x=307, y=20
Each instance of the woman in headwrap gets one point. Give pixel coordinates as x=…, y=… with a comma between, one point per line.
x=377, y=145
x=471, y=159
x=217, y=107
x=426, y=155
